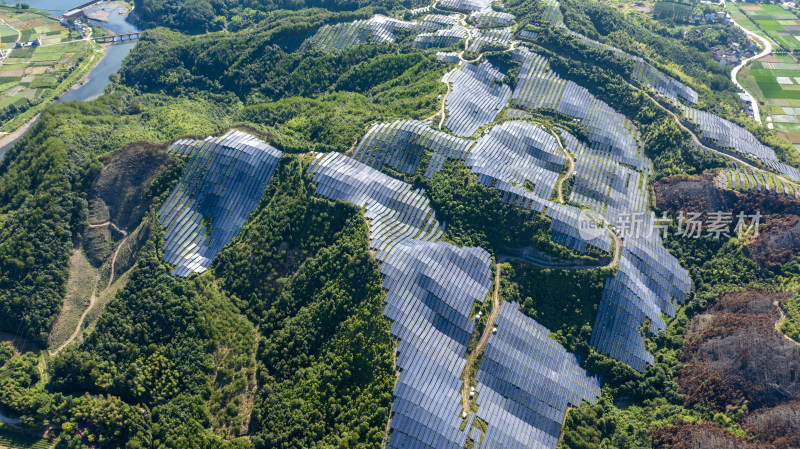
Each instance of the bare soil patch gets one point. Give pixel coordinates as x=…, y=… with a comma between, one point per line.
x=738, y=356
x=769, y=58
x=735, y=356
x=685, y=435
x=125, y=179
x=778, y=240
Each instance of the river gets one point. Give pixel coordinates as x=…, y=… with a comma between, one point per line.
x=97, y=79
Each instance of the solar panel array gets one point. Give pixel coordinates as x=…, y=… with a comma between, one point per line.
x=643, y=72
x=402, y=144
x=477, y=97
x=490, y=37
x=467, y=6
x=185, y=147
x=745, y=178
x=222, y=184
x=649, y=282
x=552, y=13
x=518, y=153
x=525, y=382
x=540, y=88
x=379, y=28
x=431, y=288
x=448, y=56
x=604, y=186
x=396, y=211
x=441, y=38
x=490, y=18
x=515, y=152
x=731, y=136
x=566, y=225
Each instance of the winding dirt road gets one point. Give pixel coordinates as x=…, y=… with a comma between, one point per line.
x=487, y=331
x=570, y=170
x=780, y=320
x=93, y=298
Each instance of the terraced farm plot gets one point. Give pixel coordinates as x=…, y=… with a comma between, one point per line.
x=14, y=439
x=782, y=25
x=30, y=75
x=775, y=81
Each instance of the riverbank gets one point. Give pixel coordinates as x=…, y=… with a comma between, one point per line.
x=105, y=10
x=9, y=139
x=95, y=54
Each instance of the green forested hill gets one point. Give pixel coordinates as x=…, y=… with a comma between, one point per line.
x=197, y=16
x=282, y=342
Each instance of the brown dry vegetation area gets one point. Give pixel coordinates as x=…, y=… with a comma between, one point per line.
x=734, y=356
x=778, y=241
x=684, y=435
x=117, y=196
x=125, y=179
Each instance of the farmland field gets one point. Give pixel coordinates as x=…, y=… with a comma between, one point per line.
x=781, y=25
x=775, y=81
x=31, y=75
x=14, y=439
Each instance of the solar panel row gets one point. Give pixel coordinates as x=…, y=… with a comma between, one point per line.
x=525, y=382
x=490, y=19
x=540, y=88
x=185, y=147
x=744, y=178
x=731, y=136
x=477, y=97
x=402, y=144
x=222, y=184
x=647, y=75
x=396, y=211
x=467, y=6
x=552, y=13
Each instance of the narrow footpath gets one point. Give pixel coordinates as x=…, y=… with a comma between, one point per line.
x=95, y=295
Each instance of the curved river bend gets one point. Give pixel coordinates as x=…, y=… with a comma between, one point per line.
x=97, y=80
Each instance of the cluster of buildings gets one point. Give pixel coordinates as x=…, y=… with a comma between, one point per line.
x=747, y=104
x=718, y=17
x=34, y=43
x=734, y=54
x=75, y=24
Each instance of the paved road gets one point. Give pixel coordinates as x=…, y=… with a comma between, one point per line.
x=767, y=50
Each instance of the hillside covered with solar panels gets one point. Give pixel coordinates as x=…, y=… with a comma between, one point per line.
x=449, y=224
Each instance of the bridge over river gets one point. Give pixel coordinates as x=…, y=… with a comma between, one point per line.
x=118, y=38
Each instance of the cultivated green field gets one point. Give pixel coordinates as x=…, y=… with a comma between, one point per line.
x=781, y=25
x=14, y=439
x=29, y=76
x=775, y=82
